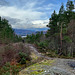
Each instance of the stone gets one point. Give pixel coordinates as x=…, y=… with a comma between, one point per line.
x=56, y=71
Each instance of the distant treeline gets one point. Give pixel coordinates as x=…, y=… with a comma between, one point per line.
x=7, y=34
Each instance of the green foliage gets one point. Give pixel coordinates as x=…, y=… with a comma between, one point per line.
x=62, y=10
x=7, y=73
x=23, y=57
x=7, y=34
x=58, y=32
x=14, y=51
x=23, y=61
x=8, y=69
x=64, y=31
x=34, y=38
x=67, y=39
x=43, y=44
x=70, y=5
x=63, y=17
x=53, y=23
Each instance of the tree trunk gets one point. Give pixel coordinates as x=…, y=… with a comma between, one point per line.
x=61, y=39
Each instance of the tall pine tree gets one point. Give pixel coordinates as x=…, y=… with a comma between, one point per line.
x=53, y=23
x=70, y=5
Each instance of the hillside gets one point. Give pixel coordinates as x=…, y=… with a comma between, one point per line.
x=37, y=38
x=48, y=66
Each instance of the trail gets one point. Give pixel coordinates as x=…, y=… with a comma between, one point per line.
x=33, y=49
x=59, y=67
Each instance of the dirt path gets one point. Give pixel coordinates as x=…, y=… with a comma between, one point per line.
x=58, y=67
x=33, y=49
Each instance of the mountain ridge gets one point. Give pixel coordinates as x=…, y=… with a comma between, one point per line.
x=24, y=32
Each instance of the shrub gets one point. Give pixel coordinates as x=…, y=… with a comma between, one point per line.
x=16, y=51
x=23, y=57
x=42, y=44
x=8, y=54
x=67, y=39
x=23, y=61
x=8, y=69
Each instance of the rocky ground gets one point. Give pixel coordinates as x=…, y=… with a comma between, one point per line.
x=48, y=66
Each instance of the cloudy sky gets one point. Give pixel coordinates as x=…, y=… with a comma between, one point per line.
x=24, y=14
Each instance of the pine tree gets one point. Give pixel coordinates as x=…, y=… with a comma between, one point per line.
x=6, y=32
x=70, y=5
x=69, y=12
x=53, y=23
x=62, y=10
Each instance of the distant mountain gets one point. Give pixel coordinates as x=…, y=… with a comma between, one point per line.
x=24, y=32
x=39, y=29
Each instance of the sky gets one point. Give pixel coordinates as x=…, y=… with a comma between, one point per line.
x=24, y=14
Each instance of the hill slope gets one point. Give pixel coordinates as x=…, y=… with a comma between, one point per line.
x=48, y=66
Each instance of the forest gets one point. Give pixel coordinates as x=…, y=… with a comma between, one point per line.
x=60, y=35
x=7, y=34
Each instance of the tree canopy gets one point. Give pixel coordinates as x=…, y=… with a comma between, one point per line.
x=7, y=34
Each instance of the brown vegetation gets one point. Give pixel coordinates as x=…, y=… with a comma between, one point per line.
x=10, y=53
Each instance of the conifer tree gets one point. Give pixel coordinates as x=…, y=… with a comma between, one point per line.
x=69, y=5
x=6, y=32
x=69, y=12
x=53, y=23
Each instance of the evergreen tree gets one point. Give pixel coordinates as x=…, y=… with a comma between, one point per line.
x=69, y=5
x=69, y=13
x=62, y=10
x=53, y=23
x=58, y=25
x=61, y=13
x=6, y=32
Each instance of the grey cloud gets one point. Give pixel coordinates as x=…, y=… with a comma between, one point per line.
x=12, y=21
x=4, y=3
x=24, y=13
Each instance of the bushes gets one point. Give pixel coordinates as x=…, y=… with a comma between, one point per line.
x=23, y=61
x=8, y=69
x=8, y=54
x=22, y=57
x=34, y=37
x=15, y=54
x=18, y=51
x=43, y=44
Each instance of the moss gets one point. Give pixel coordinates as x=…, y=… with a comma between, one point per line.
x=36, y=72
x=47, y=62
x=37, y=69
x=33, y=56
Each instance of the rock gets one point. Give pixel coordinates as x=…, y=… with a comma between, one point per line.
x=72, y=64
x=57, y=71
